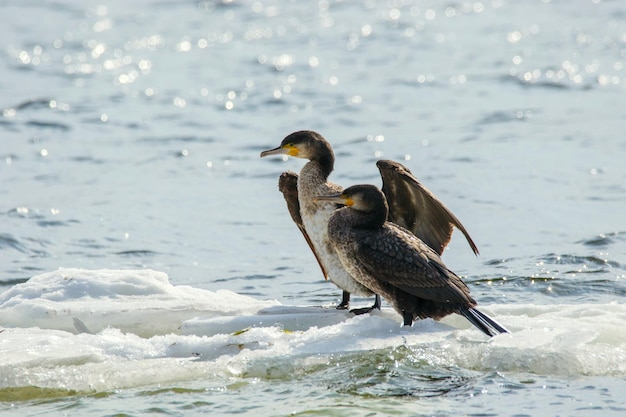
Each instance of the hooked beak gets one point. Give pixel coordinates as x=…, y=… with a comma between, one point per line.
x=287, y=149
x=276, y=151
x=340, y=199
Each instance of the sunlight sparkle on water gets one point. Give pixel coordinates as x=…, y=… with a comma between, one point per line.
x=180, y=102
x=375, y=138
x=9, y=112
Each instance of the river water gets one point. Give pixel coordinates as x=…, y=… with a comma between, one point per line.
x=131, y=134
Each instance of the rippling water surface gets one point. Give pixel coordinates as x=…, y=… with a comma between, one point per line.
x=131, y=135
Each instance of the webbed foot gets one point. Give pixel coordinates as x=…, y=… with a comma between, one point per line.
x=365, y=310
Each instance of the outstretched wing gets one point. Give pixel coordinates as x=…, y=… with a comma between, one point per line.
x=288, y=185
x=416, y=208
x=398, y=258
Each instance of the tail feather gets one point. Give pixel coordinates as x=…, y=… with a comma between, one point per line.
x=483, y=322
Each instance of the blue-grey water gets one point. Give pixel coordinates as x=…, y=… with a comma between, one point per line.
x=130, y=139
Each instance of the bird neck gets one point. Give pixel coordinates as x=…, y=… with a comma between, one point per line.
x=365, y=219
x=325, y=162
x=319, y=169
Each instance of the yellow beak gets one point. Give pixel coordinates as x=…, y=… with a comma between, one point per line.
x=282, y=150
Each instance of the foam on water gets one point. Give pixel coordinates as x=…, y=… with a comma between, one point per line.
x=99, y=330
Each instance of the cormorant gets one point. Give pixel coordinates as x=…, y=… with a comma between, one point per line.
x=412, y=206
x=393, y=262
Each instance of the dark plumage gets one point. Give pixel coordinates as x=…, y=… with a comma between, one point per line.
x=396, y=264
x=412, y=206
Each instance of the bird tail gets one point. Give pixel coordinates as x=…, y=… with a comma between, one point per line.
x=482, y=321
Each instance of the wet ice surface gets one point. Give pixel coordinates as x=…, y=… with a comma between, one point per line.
x=83, y=331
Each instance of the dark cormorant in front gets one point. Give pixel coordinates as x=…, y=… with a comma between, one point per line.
x=412, y=206
x=392, y=262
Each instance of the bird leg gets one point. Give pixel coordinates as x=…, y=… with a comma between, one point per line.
x=345, y=301
x=376, y=306
x=408, y=318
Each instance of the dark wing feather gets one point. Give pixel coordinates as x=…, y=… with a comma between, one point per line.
x=288, y=185
x=398, y=258
x=416, y=208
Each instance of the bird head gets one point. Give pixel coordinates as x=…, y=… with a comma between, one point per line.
x=366, y=198
x=304, y=144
